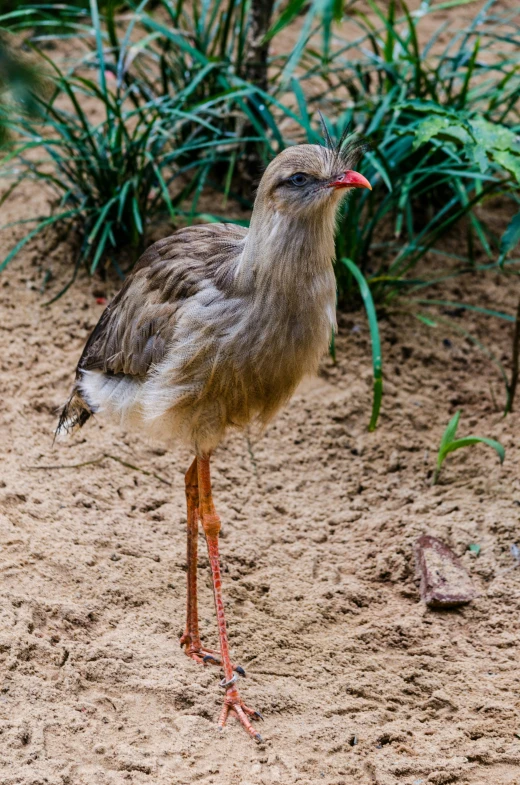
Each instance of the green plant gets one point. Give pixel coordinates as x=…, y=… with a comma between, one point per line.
x=449, y=444
x=377, y=361
x=171, y=107
x=199, y=60
x=109, y=150
x=103, y=170
x=191, y=97
x=444, y=126
x=321, y=13
x=218, y=60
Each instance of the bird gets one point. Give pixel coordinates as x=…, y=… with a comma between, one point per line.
x=212, y=331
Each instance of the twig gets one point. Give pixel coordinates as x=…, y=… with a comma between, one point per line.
x=98, y=460
x=65, y=466
x=137, y=469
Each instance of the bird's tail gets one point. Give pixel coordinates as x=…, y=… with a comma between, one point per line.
x=73, y=416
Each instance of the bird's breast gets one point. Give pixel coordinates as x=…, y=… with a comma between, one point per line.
x=235, y=360
x=287, y=337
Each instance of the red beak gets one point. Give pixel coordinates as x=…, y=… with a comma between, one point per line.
x=351, y=179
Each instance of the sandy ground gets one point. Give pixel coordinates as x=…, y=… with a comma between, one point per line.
x=358, y=682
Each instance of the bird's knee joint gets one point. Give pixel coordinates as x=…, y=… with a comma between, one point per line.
x=211, y=524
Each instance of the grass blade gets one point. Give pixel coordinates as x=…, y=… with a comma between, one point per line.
x=469, y=440
x=377, y=363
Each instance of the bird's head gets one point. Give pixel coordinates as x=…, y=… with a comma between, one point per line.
x=310, y=179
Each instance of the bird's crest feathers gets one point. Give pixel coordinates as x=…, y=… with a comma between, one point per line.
x=348, y=149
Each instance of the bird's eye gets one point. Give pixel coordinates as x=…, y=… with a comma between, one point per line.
x=298, y=179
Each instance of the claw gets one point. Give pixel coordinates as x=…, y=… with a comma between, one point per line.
x=242, y=712
x=258, y=716
x=239, y=669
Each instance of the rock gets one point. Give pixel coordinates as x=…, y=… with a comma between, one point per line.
x=444, y=581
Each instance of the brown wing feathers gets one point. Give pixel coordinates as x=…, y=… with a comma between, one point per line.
x=133, y=332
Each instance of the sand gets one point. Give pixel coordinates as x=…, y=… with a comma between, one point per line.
x=359, y=683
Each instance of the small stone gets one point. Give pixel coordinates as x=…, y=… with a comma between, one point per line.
x=344, y=517
x=319, y=537
x=394, y=463
x=444, y=581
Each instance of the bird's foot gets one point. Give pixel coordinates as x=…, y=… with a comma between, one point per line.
x=233, y=704
x=200, y=654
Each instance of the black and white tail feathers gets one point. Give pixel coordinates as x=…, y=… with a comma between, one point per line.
x=73, y=416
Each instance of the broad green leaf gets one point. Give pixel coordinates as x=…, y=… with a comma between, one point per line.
x=441, y=126
x=477, y=152
x=509, y=161
x=429, y=128
x=459, y=133
x=493, y=135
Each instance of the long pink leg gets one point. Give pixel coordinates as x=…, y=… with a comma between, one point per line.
x=191, y=638
x=211, y=524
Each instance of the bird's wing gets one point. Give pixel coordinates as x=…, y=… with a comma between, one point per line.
x=134, y=331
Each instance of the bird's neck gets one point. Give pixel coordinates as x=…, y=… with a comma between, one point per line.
x=283, y=252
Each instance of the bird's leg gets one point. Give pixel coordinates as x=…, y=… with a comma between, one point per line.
x=211, y=524
x=191, y=638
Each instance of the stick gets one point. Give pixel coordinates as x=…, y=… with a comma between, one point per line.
x=98, y=460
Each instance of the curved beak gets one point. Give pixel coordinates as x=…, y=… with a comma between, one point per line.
x=351, y=179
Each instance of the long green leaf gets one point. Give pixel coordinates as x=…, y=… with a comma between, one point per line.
x=449, y=433
x=377, y=363
x=449, y=444
x=510, y=238
x=291, y=10
x=467, y=441
x=47, y=222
